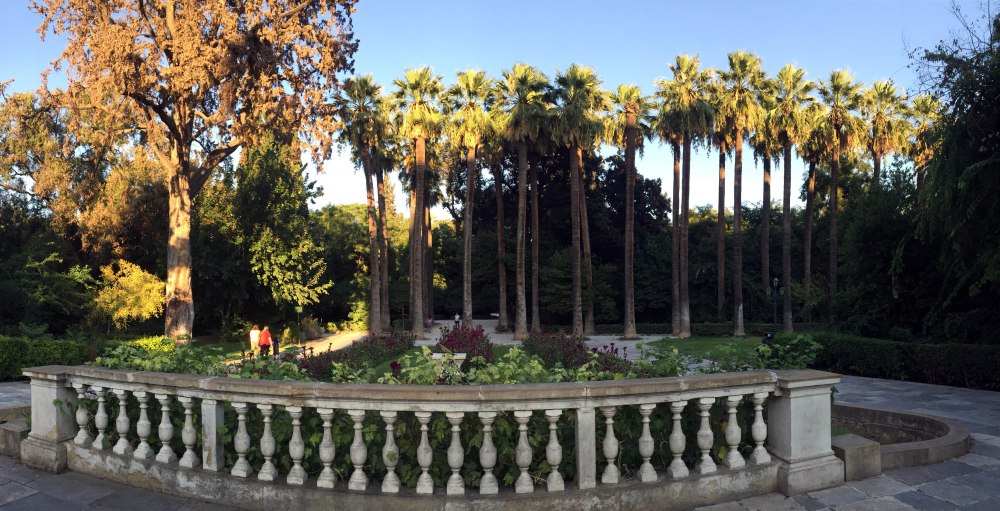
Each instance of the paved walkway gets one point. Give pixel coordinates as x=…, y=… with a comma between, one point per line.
x=971, y=482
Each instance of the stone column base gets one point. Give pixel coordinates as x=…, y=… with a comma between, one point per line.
x=810, y=475
x=43, y=455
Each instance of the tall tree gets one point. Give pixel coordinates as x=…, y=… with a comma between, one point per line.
x=416, y=97
x=469, y=101
x=925, y=111
x=359, y=106
x=792, y=98
x=201, y=80
x=813, y=149
x=579, y=104
x=689, y=111
x=721, y=140
x=742, y=111
x=842, y=97
x=523, y=98
x=629, y=126
x=885, y=113
x=767, y=147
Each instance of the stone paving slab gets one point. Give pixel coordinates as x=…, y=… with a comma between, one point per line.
x=879, y=486
x=923, y=501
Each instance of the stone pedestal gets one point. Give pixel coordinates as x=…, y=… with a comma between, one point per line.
x=799, y=432
x=862, y=457
x=52, y=420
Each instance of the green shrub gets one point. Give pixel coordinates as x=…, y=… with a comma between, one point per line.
x=17, y=353
x=160, y=354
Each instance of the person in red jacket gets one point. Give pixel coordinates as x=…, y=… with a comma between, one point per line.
x=264, y=341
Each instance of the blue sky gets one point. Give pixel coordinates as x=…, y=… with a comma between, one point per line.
x=629, y=41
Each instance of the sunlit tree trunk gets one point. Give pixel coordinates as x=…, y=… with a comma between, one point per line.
x=374, y=265
x=470, y=189
x=675, y=241
x=383, y=242
x=520, y=305
x=502, y=324
x=574, y=198
x=428, y=257
x=720, y=240
x=588, y=268
x=765, y=227
x=738, y=328
x=412, y=243
x=179, y=313
x=876, y=168
x=685, y=219
x=536, y=322
x=807, y=237
x=416, y=254
x=786, y=241
x=630, y=121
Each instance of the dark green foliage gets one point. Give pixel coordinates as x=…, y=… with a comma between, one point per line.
x=17, y=353
x=472, y=341
x=556, y=348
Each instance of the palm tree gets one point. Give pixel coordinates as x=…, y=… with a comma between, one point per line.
x=688, y=110
x=885, y=112
x=522, y=95
x=668, y=133
x=741, y=110
x=792, y=98
x=469, y=100
x=359, y=106
x=416, y=99
x=388, y=155
x=766, y=147
x=842, y=97
x=721, y=140
x=926, y=111
x=813, y=149
x=577, y=125
x=628, y=127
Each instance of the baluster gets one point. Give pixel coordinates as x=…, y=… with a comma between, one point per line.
x=241, y=442
x=488, y=455
x=759, y=430
x=267, y=470
x=188, y=434
x=165, y=431
x=425, y=484
x=296, y=447
x=646, y=472
x=456, y=455
x=553, y=453
x=733, y=459
x=143, y=428
x=610, y=446
x=359, y=453
x=677, y=469
x=100, y=418
x=122, y=424
x=82, y=417
x=705, y=437
x=390, y=454
x=522, y=453
x=327, y=451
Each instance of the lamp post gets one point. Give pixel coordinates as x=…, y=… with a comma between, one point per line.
x=776, y=291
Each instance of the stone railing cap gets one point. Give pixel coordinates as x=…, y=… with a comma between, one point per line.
x=797, y=378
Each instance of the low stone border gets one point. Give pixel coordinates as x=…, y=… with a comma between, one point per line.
x=936, y=439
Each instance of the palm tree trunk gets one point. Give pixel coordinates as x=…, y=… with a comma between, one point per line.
x=374, y=264
x=470, y=189
x=411, y=245
x=417, y=252
x=720, y=258
x=501, y=248
x=588, y=267
x=574, y=206
x=536, y=321
x=786, y=242
x=685, y=218
x=765, y=227
x=520, y=310
x=675, y=239
x=179, y=313
x=383, y=242
x=807, y=237
x=630, y=120
x=876, y=168
x=832, y=221
x=738, y=328
x=428, y=257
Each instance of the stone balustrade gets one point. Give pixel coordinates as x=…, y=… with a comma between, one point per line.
x=797, y=456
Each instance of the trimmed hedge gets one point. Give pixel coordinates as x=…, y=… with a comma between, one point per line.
x=16, y=353
x=700, y=329
x=959, y=365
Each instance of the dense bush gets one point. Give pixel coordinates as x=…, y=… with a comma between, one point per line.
x=963, y=365
x=474, y=342
x=556, y=348
x=364, y=353
x=16, y=353
x=160, y=354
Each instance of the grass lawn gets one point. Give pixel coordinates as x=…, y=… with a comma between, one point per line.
x=702, y=346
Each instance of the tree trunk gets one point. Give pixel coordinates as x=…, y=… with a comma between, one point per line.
x=832, y=222
x=470, y=189
x=685, y=218
x=374, y=264
x=720, y=242
x=675, y=241
x=876, y=168
x=179, y=313
x=411, y=243
x=501, y=248
x=417, y=252
x=574, y=206
x=786, y=242
x=807, y=238
x=536, y=321
x=765, y=227
x=738, y=329
x=588, y=267
x=520, y=305
x=428, y=257
x=383, y=243
x=630, y=120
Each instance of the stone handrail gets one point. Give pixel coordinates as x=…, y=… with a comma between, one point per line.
x=797, y=431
